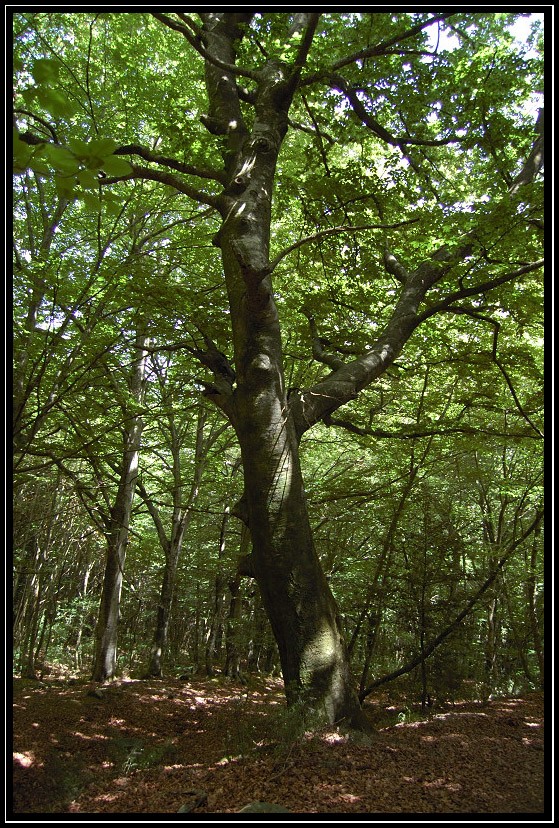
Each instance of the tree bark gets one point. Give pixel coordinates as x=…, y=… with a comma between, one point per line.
x=104, y=665
x=300, y=606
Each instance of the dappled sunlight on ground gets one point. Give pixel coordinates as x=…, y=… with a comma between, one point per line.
x=24, y=759
x=147, y=746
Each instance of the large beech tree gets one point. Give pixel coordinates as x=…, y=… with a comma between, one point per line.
x=419, y=160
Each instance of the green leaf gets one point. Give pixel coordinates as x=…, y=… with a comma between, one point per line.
x=88, y=178
x=55, y=102
x=113, y=204
x=65, y=186
x=22, y=154
x=81, y=149
x=61, y=159
x=90, y=200
x=102, y=147
x=113, y=165
x=39, y=166
x=45, y=70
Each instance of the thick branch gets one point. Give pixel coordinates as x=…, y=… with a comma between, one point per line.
x=348, y=380
x=395, y=267
x=308, y=21
x=165, y=178
x=196, y=43
x=318, y=353
x=188, y=169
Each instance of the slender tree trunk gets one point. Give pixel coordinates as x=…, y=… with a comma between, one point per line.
x=215, y=624
x=159, y=646
x=173, y=546
x=28, y=669
x=373, y=624
x=27, y=575
x=219, y=599
x=80, y=620
x=518, y=638
x=232, y=668
x=104, y=665
x=490, y=647
x=532, y=608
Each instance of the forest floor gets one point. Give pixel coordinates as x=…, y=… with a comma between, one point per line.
x=153, y=746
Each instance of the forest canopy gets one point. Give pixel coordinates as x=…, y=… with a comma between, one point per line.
x=278, y=349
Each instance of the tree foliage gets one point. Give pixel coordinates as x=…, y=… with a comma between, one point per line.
x=329, y=228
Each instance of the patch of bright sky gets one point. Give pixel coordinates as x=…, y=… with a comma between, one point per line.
x=447, y=41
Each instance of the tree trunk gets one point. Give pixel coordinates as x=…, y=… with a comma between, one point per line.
x=173, y=546
x=301, y=609
x=373, y=625
x=28, y=666
x=104, y=666
x=490, y=663
x=232, y=668
x=216, y=624
x=155, y=668
x=532, y=608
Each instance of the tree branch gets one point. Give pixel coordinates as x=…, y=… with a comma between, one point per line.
x=188, y=169
x=331, y=360
x=432, y=646
x=475, y=290
x=45, y=124
x=342, y=228
x=415, y=434
x=308, y=21
x=195, y=42
x=349, y=379
x=496, y=329
x=378, y=49
x=165, y=178
x=153, y=175
x=395, y=267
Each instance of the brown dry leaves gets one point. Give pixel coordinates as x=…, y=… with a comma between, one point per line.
x=152, y=746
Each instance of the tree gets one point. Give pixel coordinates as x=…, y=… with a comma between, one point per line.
x=172, y=541
x=442, y=184
x=119, y=520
